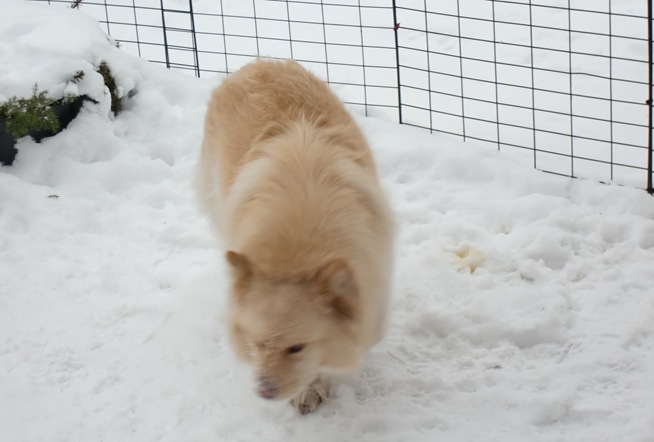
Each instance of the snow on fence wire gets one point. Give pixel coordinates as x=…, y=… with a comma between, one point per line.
x=564, y=84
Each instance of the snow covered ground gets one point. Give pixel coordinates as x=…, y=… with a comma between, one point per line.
x=523, y=307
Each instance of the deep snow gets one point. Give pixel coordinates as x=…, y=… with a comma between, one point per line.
x=112, y=290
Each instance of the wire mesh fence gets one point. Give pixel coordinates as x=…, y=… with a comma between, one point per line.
x=349, y=44
x=564, y=84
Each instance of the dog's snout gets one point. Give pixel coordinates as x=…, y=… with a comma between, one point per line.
x=267, y=388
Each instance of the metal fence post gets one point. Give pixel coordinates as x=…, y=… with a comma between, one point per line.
x=650, y=170
x=196, y=56
x=165, y=37
x=396, y=29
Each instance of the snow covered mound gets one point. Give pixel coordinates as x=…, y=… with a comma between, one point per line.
x=47, y=46
x=523, y=306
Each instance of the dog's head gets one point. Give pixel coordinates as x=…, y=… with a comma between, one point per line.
x=290, y=329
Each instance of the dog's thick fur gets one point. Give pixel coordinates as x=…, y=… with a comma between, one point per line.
x=288, y=180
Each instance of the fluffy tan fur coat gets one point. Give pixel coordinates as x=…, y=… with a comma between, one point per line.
x=289, y=182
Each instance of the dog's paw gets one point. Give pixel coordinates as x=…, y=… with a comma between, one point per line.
x=311, y=397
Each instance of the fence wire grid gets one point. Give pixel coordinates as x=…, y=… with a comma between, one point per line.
x=564, y=84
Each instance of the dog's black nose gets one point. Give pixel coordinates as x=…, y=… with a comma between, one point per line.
x=267, y=389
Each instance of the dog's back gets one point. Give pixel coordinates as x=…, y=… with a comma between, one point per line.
x=258, y=102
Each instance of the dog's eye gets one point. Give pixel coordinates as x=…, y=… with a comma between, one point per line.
x=294, y=349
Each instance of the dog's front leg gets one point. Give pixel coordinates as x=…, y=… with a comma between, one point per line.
x=312, y=396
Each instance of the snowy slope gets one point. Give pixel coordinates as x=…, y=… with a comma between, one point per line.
x=112, y=294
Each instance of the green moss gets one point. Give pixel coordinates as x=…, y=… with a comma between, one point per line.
x=110, y=82
x=23, y=115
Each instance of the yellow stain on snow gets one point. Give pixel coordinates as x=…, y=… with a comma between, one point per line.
x=468, y=258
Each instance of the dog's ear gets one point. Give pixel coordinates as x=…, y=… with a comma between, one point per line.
x=240, y=264
x=339, y=289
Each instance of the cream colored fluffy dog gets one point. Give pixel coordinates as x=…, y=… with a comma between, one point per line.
x=288, y=180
